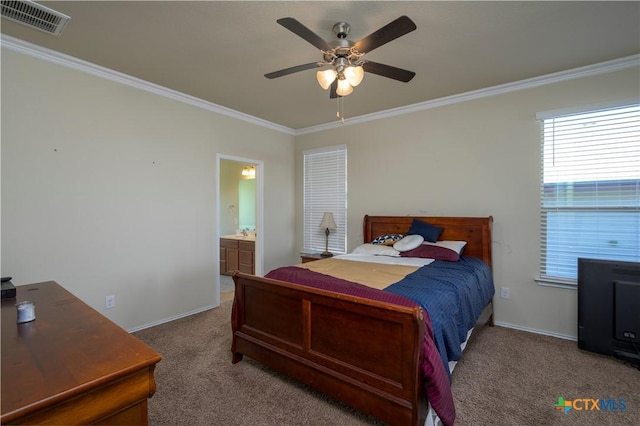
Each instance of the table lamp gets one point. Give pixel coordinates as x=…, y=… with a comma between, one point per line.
x=327, y=223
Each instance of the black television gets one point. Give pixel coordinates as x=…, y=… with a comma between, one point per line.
x=609, y=308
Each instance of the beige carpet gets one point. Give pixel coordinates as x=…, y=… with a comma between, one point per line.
x=507, y=377
x=511, y=377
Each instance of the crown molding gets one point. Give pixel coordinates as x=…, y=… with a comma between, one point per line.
x=45, y=54
x=64, y=60
x=586, y=71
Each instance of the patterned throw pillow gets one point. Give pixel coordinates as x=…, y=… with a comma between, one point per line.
x=388, y=239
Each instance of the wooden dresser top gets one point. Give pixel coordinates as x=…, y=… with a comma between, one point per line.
x=68, y=350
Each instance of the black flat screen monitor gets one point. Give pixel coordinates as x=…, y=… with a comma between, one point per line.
x=609, y=307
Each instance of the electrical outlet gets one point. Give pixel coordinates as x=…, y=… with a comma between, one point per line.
x=110, y=301
x=504, y=292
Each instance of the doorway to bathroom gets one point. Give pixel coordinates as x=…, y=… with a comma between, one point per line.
x=239, y=220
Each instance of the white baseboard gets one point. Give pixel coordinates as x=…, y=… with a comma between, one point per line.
x=536, y=331
x=498, y=323
x=165, y=320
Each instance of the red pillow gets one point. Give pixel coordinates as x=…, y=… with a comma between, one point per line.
x=432, y=252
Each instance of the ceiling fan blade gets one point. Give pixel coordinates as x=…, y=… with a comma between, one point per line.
x=291, y=70
x=332, y=89
x=389, y=32
x=388, y=71
x=297, y=28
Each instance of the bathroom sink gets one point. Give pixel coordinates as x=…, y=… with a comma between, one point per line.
x=239, y=237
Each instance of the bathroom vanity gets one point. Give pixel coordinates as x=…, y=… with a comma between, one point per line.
x=237, y=252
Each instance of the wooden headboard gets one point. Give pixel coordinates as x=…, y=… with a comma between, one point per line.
x=476, y=231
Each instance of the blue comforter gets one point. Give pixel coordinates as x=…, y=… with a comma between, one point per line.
x=454, y=294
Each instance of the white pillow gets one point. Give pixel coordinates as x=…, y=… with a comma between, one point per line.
x=376, y=249
x=456, y=246
x=409, y=242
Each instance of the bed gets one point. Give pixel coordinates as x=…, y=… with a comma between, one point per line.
x=374, y=350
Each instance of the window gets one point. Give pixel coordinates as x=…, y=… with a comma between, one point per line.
x=325, y=190
x=590, y=190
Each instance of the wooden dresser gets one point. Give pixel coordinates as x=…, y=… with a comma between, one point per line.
x=71, y=365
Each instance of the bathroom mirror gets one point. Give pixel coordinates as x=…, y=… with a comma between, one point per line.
x=247, y=204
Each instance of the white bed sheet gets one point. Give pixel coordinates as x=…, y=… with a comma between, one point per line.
x=388, y=260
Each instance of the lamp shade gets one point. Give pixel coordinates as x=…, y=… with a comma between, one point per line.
x=327, y=221
x=344, y=88
x=326, y=77
x=354, y=75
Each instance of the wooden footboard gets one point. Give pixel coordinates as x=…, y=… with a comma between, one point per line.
x=371, y=364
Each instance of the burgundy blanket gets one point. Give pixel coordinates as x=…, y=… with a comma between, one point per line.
x=436, y=379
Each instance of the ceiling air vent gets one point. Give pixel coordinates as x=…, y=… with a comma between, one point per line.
x=35, y=16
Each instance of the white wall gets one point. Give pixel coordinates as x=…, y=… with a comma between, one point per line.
x=476, y=158
x=108, y=189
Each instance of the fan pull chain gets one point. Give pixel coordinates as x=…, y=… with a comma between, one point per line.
x=340, y=112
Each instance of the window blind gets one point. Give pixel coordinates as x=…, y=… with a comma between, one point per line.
x=590, y=189
x=325, y=190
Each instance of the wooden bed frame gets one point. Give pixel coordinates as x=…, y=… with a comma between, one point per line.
x=365, y=353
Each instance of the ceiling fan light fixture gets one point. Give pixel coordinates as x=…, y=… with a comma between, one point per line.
x=344, y=88
x=326, y=77
x=343, y=57
x=354, y=75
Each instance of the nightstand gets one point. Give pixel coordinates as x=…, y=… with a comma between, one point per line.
x=310, y=257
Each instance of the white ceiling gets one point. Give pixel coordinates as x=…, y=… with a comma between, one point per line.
x=219, y=51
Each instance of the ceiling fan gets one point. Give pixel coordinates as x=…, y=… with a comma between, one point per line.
x=344, y=59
